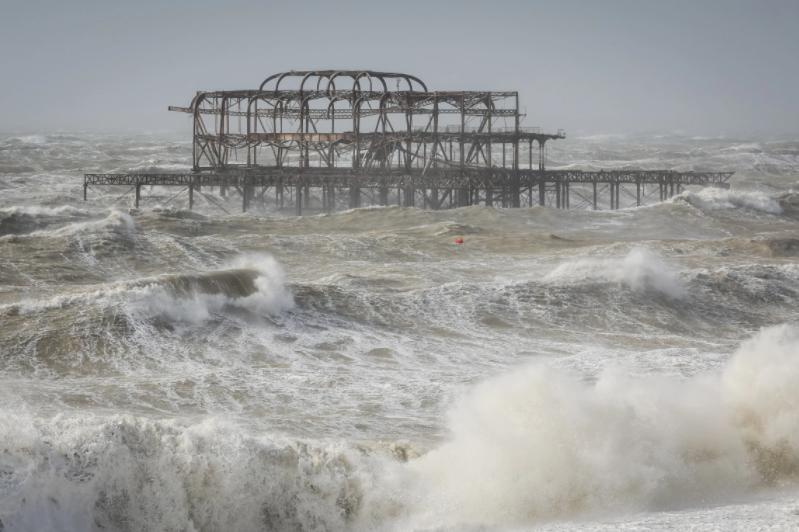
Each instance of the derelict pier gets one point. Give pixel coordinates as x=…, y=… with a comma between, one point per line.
x=333, y=139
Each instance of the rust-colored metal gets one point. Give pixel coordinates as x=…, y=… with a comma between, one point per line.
x=316, y=132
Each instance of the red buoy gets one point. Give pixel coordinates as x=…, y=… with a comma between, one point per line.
x=459, y=240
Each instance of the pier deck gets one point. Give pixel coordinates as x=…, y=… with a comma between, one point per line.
x=436, y=188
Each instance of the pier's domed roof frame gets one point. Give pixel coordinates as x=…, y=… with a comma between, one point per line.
x=370, y=76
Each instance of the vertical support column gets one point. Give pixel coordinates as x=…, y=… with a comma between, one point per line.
x=461, y=192
x=85, y=190
x=594, y=185
x=515, y=188
x=191, y=194
x=612, y=196
x=138, y=194
x=489, y=197
x=542, y=191
x=566, y=188
x=409, y=196
x=298, y=199
x=558, y=195
x=383, y=194
x=463, y=197
x=541, y=155
x=355, y=196
x=618, y=189
x=542, y=179
x=637, y=193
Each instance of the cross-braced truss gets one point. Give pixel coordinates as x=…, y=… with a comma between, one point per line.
x=373, y=133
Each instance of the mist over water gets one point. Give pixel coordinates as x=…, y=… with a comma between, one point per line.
x=166, y=369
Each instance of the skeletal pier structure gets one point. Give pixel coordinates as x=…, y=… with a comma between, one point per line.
x=345, y=138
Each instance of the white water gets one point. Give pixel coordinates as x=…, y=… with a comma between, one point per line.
x=167, y=370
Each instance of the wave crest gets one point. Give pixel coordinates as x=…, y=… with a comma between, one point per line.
x=639, y=270
x=717, y=199
x=254, y=283
x=538, y=444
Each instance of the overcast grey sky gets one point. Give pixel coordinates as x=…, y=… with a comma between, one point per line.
x=701, y=67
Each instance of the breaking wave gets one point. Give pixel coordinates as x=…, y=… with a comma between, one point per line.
x=532, y=445
x=537, y=444
x=255, y=283
x=25, y=219
x=718, y=199
x=639, y=270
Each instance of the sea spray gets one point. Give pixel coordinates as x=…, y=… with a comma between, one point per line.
x=639, y=270
x=255, y=283
x=716, y=199
x=524, y=447
x=539, y=444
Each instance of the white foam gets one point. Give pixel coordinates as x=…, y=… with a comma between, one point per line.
x=127, y=473
x=37, y=211
x=538, y=444
x=154, y=298
x=115, y=220
x=716, y=199
x=639, y=270
x=271, y=295
x=531, y=445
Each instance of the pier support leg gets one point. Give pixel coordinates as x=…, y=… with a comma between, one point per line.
x=638, y=194
x=85, y=190
x=618, y=189
x=542, y=193
x=191, y=196
x=410, y=197
x=138, y=195
x=434, y=201
x=355, y=197
x=489, y=197
x=594, y=184
x=612, y=196
x=298, y=202
x=463, y=197
x=558, y=187
x=515, y=193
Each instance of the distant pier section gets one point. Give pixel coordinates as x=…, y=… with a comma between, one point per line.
x=329, y=139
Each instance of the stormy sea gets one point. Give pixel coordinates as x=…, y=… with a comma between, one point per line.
x=168, y=369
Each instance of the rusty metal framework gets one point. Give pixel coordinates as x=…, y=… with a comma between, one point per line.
x=382, y=136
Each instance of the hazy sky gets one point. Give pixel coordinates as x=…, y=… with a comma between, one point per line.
x=701, y=67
